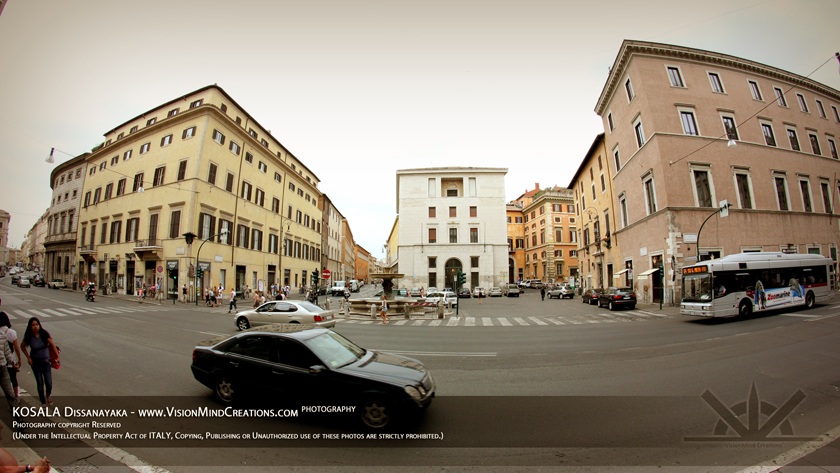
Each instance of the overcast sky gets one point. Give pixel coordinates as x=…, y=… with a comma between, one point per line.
x=359, y=89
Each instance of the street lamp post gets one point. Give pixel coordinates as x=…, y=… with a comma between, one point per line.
x=223, y=232
x=723, y=210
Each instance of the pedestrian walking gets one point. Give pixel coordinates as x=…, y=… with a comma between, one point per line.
x=43, y=348
x=542, y=293
x=383, y=310
x=256, y=300
x=184, y=293
x=232, y=305
x=13, y=360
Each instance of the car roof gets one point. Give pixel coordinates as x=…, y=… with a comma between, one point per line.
x=297, y=331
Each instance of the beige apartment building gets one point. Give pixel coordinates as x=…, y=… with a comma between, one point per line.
x=516, y=242
x=599, y=254
x=686, y=130
x=67, y=182
x=196, y=186
x=5, y=219
x=550, y=234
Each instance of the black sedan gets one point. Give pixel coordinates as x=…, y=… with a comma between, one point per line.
x=590, y=296
x=297, y=363
x=617, y=297
x=464, y=293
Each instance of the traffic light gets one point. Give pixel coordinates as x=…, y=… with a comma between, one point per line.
x=315, y=278
x=462, y=278
x=173, y=274
x=199, y=272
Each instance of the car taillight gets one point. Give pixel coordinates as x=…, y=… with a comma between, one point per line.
x=318, y=318
x=195, y=356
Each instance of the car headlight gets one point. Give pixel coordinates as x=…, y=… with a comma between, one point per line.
x=415, y=392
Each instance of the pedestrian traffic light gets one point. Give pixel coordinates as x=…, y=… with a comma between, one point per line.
x=462, y=278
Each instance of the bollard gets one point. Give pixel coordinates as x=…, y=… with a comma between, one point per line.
x=407, y=313
x=440, y=309
x=327, y=304
x=373, y=311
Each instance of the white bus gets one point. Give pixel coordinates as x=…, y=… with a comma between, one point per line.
x=740, y=284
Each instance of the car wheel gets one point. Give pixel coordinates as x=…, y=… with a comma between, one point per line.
x=224, y=390
x=809, y=300
x=611, y=306
x=376, y=413
x=242, y=323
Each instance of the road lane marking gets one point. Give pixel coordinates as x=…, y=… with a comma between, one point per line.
x=504, y=322
x=486, y=322
x=520, y=321
x=537, y=321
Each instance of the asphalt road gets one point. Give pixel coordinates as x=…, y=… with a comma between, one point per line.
x=582, y=388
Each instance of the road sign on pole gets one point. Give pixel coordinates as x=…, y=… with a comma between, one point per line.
x=325, y=274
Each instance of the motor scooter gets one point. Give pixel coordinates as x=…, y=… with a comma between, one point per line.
x=90, y=294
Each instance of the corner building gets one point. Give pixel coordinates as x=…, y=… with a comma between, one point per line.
x=686, y=129
x=198, y=164
x=450, y=220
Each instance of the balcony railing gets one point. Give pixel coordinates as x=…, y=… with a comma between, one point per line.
x=149, y=243
x=87, y=249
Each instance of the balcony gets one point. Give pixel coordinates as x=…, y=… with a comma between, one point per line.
x=150, y=247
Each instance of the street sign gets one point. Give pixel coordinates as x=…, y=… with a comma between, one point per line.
x=325, y=274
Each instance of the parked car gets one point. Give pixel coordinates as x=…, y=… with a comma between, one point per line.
x=465, y=293
x=414, y=292
x=316, y=366
x=24, y=282
x=285, y=312
x=16, y=279
x=448, y=297
x=532, y=284
x=511, y=290
x=617, y=297
x=57, y=284
x=38, y=280
x=495, y=292
x=561, y=292
x=479, y=292
x=590, y=296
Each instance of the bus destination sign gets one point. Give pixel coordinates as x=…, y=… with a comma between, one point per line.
x=695, y=270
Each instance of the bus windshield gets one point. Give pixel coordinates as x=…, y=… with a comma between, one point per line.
x=697, y=288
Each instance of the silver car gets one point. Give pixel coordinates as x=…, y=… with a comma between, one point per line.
x=24, y=282
x=285, y=312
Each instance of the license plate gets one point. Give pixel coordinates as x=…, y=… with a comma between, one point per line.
x=626, y=297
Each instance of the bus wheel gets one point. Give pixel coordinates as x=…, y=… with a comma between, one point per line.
x=744, y=309
x=809, y=300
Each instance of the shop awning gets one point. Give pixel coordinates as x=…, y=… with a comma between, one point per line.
x=618, y=274
x=650, y=271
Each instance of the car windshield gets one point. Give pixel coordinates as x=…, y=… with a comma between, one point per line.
x=311, y=307
x=334, y=350
x=697, y=288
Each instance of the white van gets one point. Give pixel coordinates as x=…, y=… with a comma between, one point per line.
x=337, y=288
x=354, y=285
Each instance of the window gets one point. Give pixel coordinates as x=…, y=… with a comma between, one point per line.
x=802, y=104
x=825, y=189
x=622, y=210
x=453, y=235
x=833, y=109
x=144, y=148
x=196, y=103
x=175, y=224
x=794, y=140
x=234, y=148
x=650, y=194
x=432, y=212
x=263, y=167
x=246, y=191
x=617, y=160
x=225, y=232
x=182, y=170
x=675, y=76
x=433, y=235
x=173, y=112
x=780, y=97
x=805, y=189
x=121, y=187
x=473, y=235
x=754, y=90
x=151, y=121
x=188, y=133
x=820, y=109
x=781, y=191
x=743, y=187
x=815, y=143
x=243, y=238
x=702, y=187
x=767, y=130
x=159, y=175
x=640, y=133
x=133, y=129
x=628, y=87
x=729, y=127
x=473, y=211
x=109, y=189
x=165, y=141
x=249, y=158
x=96, y=194
x=689, y=123
x=717, y=85
x=115, y=160
x=138, y=182
x=832, y=148
x=132, y=228
x=229, y=182
x=127, y=155
x=256, y=240
x=116, y=230
x=103, y=234
x=218, y=137
x=275, y=205
x=211, y=174
x=206, y=223
x=610, y=121
x=453, y=212
x=259, y=197
x=102, y=165
x=153, y=226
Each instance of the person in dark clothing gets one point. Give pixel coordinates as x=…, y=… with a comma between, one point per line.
x=39, y=341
